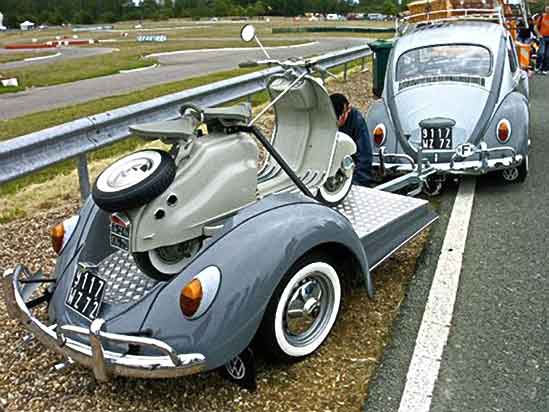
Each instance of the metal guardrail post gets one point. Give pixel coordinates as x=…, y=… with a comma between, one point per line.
x=345, y=67
x=83, y=176
x=363, y=63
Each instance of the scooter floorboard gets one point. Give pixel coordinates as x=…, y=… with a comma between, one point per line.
x=384, y=221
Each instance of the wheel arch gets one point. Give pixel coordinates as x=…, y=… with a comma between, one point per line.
x=253, y=258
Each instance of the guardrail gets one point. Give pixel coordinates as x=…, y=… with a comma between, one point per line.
x=35, y=151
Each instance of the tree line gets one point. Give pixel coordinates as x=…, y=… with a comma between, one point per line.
x=57, y=12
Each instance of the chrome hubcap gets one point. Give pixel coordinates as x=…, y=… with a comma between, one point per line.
x=308, y=310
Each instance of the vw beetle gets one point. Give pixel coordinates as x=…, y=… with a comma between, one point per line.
x=455, y=91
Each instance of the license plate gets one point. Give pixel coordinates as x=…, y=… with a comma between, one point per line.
x=433, y=138
x=86, y=294
x=120, y=232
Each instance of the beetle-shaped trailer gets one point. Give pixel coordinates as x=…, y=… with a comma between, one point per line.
x=265, y=276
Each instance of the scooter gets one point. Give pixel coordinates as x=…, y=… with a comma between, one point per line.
x=165, y=205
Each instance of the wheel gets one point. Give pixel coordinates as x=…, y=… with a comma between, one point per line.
x=302, y=310
x=335, y=189
x=432, y=187
x=134, y=180
x=516, y=174
x=164, y=263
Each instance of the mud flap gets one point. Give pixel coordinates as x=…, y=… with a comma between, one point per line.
x=241, y=370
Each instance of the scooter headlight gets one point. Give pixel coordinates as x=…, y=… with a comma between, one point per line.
x=198, y=295
x=61, y=233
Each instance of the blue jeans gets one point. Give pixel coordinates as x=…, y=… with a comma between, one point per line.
x=542, y=62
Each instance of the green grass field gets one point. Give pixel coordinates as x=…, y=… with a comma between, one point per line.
x=182, y=35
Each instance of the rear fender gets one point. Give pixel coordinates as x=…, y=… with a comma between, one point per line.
x=515, y=109
x=252, y=258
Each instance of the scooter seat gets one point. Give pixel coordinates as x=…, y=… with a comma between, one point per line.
x=178, y=129
x=239, y=114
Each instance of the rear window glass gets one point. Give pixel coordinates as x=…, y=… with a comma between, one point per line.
x=444, y=60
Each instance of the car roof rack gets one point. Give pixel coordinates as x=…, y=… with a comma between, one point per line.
x=448, y=11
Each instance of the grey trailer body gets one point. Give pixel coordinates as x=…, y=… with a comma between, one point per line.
x=139, y=330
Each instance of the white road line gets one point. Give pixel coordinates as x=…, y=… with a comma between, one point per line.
x=437, y=318
x=50, y=56
x=293, y=46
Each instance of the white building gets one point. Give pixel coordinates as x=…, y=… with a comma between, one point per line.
x=27, y=25
x=2, y=27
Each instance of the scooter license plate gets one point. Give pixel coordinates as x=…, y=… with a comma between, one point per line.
x=120, y=233
x=436, y=138
x=86, y=294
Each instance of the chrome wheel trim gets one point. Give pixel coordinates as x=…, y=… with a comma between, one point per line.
x=129, y=171
x=510, y=174
x=336, y=194
x=171, y=260
x=307, y=309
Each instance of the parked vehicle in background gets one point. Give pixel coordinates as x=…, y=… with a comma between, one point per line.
x=376, y=16
x=454, y=90
x=334, y=17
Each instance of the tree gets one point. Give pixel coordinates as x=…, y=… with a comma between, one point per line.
x=390, y=8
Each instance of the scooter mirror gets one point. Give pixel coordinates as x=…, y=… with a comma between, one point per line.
x=247, y=33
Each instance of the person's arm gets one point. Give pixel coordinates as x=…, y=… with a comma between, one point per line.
x=364, y=153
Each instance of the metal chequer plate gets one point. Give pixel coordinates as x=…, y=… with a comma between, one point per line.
x=125, y=282
x=385, y=221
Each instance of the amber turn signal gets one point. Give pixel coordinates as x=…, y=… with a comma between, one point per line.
x=57, y=236
x=504, y=131
x=190, y=298
x=379, y=135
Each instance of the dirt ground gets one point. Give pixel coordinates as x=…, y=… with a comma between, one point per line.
x=334, y=379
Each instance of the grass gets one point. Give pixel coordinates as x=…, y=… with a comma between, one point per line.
x=130, y=56
x=14, y=57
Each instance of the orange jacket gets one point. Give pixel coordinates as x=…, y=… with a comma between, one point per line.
x=543, y=24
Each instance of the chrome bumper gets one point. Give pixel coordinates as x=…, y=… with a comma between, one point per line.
x=457, y=165
x=103, y=363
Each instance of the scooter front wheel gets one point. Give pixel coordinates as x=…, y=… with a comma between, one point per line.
x=165, y=262
x=335, y=189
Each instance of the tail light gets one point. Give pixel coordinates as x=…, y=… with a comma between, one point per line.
x=503, y=132
x=61, y=233
x=198, y=295
x=379, y=134
x=190, y=298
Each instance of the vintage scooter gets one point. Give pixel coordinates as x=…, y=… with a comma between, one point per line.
x=166, y=204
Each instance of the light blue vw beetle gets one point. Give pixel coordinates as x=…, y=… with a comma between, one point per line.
x=454, y=91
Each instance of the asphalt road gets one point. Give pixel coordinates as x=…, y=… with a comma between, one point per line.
x=179, y=67
x=497, y=356
x=65, y=53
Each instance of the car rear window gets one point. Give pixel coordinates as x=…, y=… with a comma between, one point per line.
x=455, y=59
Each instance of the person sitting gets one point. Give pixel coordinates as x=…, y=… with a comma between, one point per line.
x=351, y=122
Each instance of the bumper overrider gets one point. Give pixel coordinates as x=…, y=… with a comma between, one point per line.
x=489, y=160
x=103, y=363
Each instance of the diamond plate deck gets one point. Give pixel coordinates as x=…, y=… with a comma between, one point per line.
x=370, y=210
x=125, y=282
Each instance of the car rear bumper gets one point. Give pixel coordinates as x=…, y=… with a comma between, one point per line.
x=104, y=364
x=489, y=160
